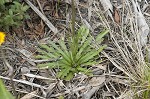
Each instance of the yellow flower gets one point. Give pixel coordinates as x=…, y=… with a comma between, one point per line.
x=2, y=37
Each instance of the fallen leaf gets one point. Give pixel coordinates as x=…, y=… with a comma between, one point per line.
x=29, y=95
x=116, y=15
x=96, y=81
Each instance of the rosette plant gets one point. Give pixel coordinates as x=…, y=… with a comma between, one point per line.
x=72, y=56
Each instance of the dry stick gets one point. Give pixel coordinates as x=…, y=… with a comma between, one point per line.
x=73, y=18
x=44, y=18
x=24, y=82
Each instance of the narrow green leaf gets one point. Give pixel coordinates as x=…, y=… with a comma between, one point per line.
x=61, y=97
x=46, y=47
x=90, y=63
x=101, y=35
x=65, y=56
x=24, y=8
x=69, y=76
x=90, y=55
x=62, y=44
x=50, y=55
x=63, y=61
x=65, y=50
x=85, y=71
x=83, y=47
x=49, y=49
x=63, y=73
x=41, y=57
x=80, y=31
x=84, y=34
x=50, y=65
x=4, y=94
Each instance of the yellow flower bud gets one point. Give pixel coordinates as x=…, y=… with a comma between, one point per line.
x=2, y=37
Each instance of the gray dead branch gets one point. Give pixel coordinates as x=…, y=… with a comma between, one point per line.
x=24, y=82
x=38, y=77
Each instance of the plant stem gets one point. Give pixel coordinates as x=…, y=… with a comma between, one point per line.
x=74, y=46
x=73, y=19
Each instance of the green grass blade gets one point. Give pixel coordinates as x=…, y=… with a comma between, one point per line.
x=50, y=55
x=101, y=35
x=46, y=47
x=85, y=71
x=69, y=76
x=89, y=63
x=4, y=93
x=84, y=47
x=84, y=34
x=49, y=49
x=63, y=45
x=63, y=73
x=64, y=55
x=64, y=62
x=91, y=54
x=41, y=57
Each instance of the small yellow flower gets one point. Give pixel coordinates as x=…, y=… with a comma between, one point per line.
x=2, y=37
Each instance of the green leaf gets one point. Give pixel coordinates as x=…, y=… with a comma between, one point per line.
x=9, y=20
x=101, y=35
x=83, y=33
x=4, y=94
x=83, y=48
x=85, y=71
x=41, y=57
x=50, y=55
x=62, y=44
x=50, y=65
x=25, y=8
x=69, y=76
x=90, y=55
x=46, y=47
x=2, y=2
x=64, y=55
x=63, y=73
x=61, y=97
x=10, y=12
x=64, y=62
x=65, y=50
x=90, y=63
x=52, y=52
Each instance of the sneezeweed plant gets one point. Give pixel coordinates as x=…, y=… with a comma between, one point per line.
x=12, y=14
x=2, y=38
x=73, y=56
